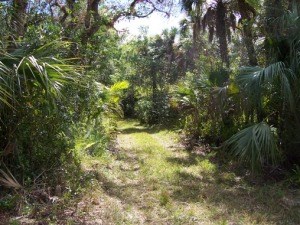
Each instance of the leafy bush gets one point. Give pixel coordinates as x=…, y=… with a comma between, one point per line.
x=218, y=77
x=36, y=118
x=143, y=109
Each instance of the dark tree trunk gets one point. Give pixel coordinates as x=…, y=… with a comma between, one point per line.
x=247, y=13
x=248, y=40
x=221, y=31
x=18, y=19
x=195, y=15
x=91, y=27
x=274, y=9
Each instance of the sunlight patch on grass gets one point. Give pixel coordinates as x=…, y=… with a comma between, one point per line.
x=150, y=180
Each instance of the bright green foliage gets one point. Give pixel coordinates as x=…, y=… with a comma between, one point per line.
x=150, y=69
x=115, y=91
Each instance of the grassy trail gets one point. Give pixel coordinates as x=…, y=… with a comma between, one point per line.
x=151, y=179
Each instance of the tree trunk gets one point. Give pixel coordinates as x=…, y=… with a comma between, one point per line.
x=153, y=117
x=274, y=9
x=246, y=10
x=221, y=31
x=18, y=19
x=91, y=27
x=248, y=40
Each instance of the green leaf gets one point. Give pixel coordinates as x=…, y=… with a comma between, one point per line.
x=119, y=86
x=255, y=145
x=253, y=80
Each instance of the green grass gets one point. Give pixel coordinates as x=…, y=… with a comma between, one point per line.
x=152, y=180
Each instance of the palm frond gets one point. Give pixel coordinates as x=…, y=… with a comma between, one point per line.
x=6, y=94
x=8, y=180
x=254, y=79
x=25, y=70
x=255, y=145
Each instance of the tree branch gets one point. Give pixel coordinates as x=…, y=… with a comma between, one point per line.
x=62, y=9
x=132, y=11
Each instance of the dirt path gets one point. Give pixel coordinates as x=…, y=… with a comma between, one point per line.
x=152, y=180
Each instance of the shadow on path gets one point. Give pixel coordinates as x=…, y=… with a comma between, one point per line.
x=206, y=182
x=230, y=195
x=138, y=130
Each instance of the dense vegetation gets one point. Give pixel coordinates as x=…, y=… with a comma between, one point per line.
x=229, y=77
x=237, y=89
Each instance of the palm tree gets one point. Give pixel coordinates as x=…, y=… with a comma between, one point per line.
x=25, y=73
x=273, y=93
x=194, y=11
x=220, y=18
x=248, y=13
x=26, y=70
x=217, y=21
